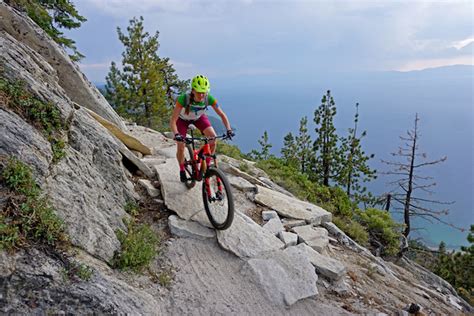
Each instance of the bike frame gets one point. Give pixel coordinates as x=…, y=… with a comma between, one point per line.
x=199, y=163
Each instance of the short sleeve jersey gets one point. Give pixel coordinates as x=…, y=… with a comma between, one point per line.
x=196, y=109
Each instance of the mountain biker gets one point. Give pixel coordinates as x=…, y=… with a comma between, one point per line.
x=190, y=109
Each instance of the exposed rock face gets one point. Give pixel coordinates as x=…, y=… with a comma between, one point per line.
x=68, y=75
x=23, y=141
x=88, y=187
x=38, y=287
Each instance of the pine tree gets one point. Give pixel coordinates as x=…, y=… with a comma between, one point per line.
x=172, y=84
x=326, y=164
x=265, y=146
x=141, y=90
x=304, y=149
x=289, y=150
x=51, y=15
x=354, y=168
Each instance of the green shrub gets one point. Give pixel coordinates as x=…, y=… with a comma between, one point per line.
x=57, y=147
x=84, y=272
x=353, y=229
x=229, y=150
x=382, y=228
x=131, y=207
x=74, y=270
x=138, y=247
x=288, y=177
x=244, y=167
x=28, y=217
x=43, y=115
x=333, y=199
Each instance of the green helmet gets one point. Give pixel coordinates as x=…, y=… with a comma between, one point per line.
x=200, y=83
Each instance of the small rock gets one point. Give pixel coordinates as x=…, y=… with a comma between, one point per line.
x=290, y=239
x=341, y=288
x=267, y=215
x=274, y=226
x=315, y=237
x=152, y=191
x=158, y=201
x=290, y=223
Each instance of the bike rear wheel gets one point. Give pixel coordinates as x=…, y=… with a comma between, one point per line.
x=218, y=199
x=189, y=167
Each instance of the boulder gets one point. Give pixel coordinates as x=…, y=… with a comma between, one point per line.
x=274, y=226
x=286, y=276
x=290, y=223
x=241, y=183
x=291, y=207
x=182, y=228
x=246, y=239
x=149, y=187
x=315, y=237
x=330, y=268
x=178, y=198
x=290, y=239
x=267, y=215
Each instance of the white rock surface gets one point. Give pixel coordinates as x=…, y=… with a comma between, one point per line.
x=329, y=267
x=290, y=239
x=290, y=223
x=246, y=239
x=274, y=226
x=183, y=228
x=241, y=183
x=285, y=276
x=149, y=187
x=291, y=207
x=178, y=198
x=267, y=215
x=315, y=237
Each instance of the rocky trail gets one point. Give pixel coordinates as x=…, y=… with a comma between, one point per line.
x=281, y=256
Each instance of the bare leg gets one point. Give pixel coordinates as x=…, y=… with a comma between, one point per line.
x=180, y=152
x=209, y=132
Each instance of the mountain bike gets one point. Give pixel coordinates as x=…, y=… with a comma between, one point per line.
x=216, y=191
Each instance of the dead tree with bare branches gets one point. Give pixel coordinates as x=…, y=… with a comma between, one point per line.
x=410, y=182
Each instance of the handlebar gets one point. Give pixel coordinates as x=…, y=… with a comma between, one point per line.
x=190, y=140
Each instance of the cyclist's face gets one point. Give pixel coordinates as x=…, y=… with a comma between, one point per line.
x=198, y=96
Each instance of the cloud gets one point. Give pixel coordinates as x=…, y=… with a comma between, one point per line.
x=253, y=37
x=128, y=8
x=462, y=44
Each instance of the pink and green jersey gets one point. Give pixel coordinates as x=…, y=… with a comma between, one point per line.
x=195, y=109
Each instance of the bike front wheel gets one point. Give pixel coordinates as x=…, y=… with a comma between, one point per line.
x=189, y=167
x=218, y=199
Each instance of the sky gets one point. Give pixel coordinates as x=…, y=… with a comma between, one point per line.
x=226, y=39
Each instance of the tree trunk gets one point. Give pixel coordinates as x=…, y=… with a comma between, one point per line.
x=406, y=209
